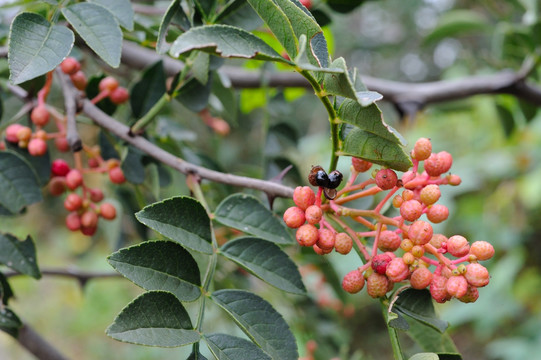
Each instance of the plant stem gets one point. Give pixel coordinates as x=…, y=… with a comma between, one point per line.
x=393, y=335
x=150, y=115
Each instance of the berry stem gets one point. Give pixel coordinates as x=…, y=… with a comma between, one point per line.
x=150, y=115
x=353, y=235
x=442, y=259
x=429, y=261
x=44, y=91
x=102, y=95
x=376, y=240
x=349, y=187
x=368, y=192
x=318, y=196
x=385, y=199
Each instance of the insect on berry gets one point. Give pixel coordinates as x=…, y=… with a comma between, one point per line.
x=318, y=177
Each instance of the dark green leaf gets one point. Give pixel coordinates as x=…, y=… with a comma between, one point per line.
x=278, y=23
x=266, y=261
x=344, y=6
x=418, y=305
x=18, y=182
x=432, y=340
x=227, y=347
x=8, y=319
x=6, y=292
x=194, y=95
x=258, y=319
x=239, y=14
x=36, y=46
x=40, y=164
x=121, y=10
x=98, y=28
x=225, y=41
x=457, y=22
x=173, y=16
x=156, y=318
x=225, y=93
x=246, y=213
x=133, y=167
x=397, y=321
x=201, y=67
x=147, y=91
x=194, y=356
x=159, y=265
x=182, y=219
x=19, y=255
x=371, y=138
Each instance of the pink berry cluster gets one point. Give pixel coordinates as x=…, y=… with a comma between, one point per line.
x=401, y=248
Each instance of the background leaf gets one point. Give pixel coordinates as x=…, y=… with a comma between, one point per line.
x=227, y=347
x=247, y=214
x=121, y=10
x=160, y=265
x=266, y=261
x=147, y=91
x=36, y=46
x=174, y=15
x=182, y=219
x=8, y=319
x=156, y=318
x=18, y=182
x=418, y=304
x=19, y=255
x=258, y=319
x=98, y=28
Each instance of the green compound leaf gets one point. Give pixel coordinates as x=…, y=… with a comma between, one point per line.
x=160, y=265
x=98, y=28
x=182, y=219
x=147, y=91
x=227, y=347
x=247, y=214
x=258, y=319
x=278, y=23
x=174, y=15
x=19, y=255
x=370, y=138
x=266, y=261
x=156, y=318
x=418, y=305
x=121, y=10
x=36, y=46
x=19, y=185
x=8, y=319
x=225, y=41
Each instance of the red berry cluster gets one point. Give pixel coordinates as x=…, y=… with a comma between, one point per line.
x=84, y=208
x=404, y=247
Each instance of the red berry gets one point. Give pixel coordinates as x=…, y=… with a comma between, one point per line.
x=353, y=282
x=294, y=217
x=407, y=195
x=471, y=295
x=116, y=175
x=74, y=179
x=411, y=210
x=108, y=83
x=62, y=144
x=438, y=289
x=93, y=163
x=307, y=3
x=73, y=221
x=107, y=211
x=397, y=270
x=420, y=278
x=120, y=95
x=37, y=147
x=430, y=194
x=79, y=80
x=420, y=232
x=303, y=196
x=380, y=263
x=313, y=214
x=11, y=133
x=477, y=275
x=406, y=245
x=59, y=167
x=96, y=195
x=422, y=149
x=88, y=231
x=70, y=66
x=458, y=246
x=343, y=243
x=73, y=202
x=89, y=219
x=326, y=239
x=438, y=163
x=454, y=180
x=417, y=251
x=57, y=185
x=482, y=250
x=377, y=285
x=40, y=115
x=457, y=286
x=320, y=251
x=307, y=235
x=386, y=179
x=437, y=213
x=360, y=165
x=398, y=201
x=437, y=240
x=388, y=241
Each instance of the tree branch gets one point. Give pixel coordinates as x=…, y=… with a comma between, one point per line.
x=503, y=82
x=70, y=105
x=34, y=343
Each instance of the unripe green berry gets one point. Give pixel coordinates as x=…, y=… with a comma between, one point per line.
x=420, y=278
x=458, y=246
x=343, y=243
x=353, y=282
x=482, y=250
x=294, y=217
x=303, y=196
x=377, y=285
x=307, y=235
x=388, y=241
x=313, y=214
x=437, y=213
x=386, y=179
x=430, y=194
x=477, y=275
x=411, y=210
x=422, y=149
x=457, y=286
x=420, y=232
x=397, y=270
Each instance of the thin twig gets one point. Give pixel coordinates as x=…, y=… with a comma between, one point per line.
x=37, y=345
x=70, y=105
